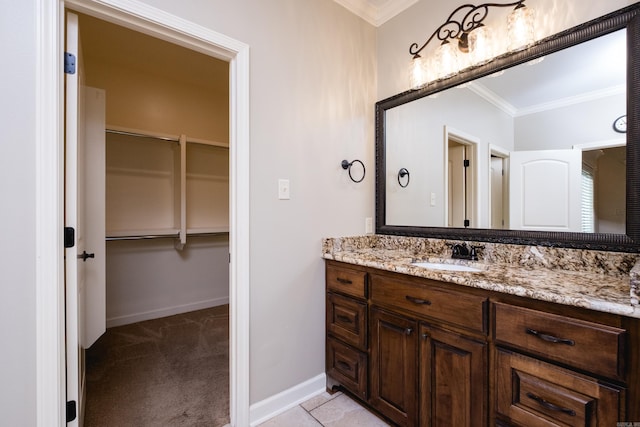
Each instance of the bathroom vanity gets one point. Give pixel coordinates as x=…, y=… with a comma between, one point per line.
x=531, y=338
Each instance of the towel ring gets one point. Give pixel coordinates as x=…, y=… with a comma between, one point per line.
x=347, y=165
x=401, y=174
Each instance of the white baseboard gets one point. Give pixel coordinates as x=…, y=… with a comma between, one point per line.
x=164, y=312
x=285, y=400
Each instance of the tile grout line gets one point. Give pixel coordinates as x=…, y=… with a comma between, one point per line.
x=334, y=396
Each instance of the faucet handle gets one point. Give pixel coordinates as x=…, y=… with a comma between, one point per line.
x=474, y=251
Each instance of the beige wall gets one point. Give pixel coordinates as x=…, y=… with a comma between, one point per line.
x=312, y=97
x=17, y=195
x=313, y=86
x=155, y=85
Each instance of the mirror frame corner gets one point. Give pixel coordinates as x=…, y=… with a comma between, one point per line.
x=629, y=18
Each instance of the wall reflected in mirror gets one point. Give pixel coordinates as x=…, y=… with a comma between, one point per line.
x=530, y=148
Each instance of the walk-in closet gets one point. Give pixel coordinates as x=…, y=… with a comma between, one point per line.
x=164, y=358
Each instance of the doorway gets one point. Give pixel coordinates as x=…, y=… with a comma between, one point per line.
x=603, y=195
x=498, y=188
x=461, y=179
x=50, y=336
x=167, y=223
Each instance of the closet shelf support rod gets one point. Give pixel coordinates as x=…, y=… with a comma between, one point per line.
x=141, y=135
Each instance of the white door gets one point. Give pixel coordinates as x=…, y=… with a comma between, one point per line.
x=497, y=191
x=93, y=203
x=84, y=265
x=457, y=211
x=545, y=190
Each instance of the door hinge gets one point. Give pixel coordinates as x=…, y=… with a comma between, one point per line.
x=69, y=63
x=466, y=163
x=71, y=410
x=69, y=237
x=467, y=222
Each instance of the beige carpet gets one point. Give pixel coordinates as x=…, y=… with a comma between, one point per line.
x=172, y=371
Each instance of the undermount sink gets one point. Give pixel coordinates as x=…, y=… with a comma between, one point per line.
x=446, y=267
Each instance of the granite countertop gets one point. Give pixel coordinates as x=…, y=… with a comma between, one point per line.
x=606, y=282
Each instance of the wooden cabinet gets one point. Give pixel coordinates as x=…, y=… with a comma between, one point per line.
x=433, y=302
x=453, y=379
x=422, y=373
x=585, y=345
x=394, y=382
x=532, y=393
x=347, y=366
x=425, y=353
x=347, y=361
x=581, y=392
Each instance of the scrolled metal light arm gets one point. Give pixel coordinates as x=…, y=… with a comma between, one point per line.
x=454, y=29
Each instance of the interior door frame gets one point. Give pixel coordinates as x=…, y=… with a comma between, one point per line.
x=502, y=153
x=473, y=196
x=49, y=147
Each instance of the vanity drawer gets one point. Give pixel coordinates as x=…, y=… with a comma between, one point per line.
x=346, y=281
x=534, y=393
x=348, y=366
x=585, y=345
x=453, y=307
x=347, y=320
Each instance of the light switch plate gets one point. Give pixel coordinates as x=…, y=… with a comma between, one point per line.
x=284, y=192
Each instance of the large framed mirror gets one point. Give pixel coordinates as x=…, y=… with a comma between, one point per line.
x=530, y=148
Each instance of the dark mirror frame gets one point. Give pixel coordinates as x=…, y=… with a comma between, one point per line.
x=630, y=242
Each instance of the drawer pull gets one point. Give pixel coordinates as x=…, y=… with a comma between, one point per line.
x=550, y=338
x=550, y=405
x=344, y=281
x=343, y=318
x=418, y=300
x=344, y=365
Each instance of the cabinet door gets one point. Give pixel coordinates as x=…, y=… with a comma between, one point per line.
x=453, y=379
x=393, y=378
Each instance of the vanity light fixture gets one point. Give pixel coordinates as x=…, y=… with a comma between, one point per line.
x=466, y=41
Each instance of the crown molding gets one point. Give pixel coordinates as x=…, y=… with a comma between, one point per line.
x=376, y=13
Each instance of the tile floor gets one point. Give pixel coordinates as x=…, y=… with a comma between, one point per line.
x=329, y=410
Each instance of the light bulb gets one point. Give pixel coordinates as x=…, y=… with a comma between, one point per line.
x=446, y=60
x=481, y=46
x=417, y=72
x=521, y=28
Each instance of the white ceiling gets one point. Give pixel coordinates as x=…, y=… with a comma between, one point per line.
x=590, y=70
x=376, y=12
